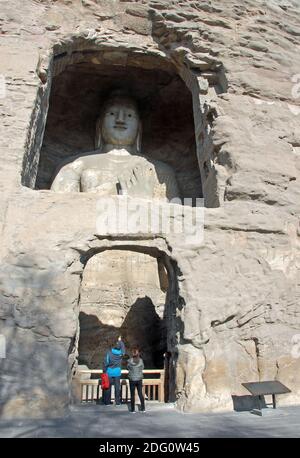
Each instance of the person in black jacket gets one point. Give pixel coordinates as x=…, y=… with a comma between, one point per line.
x=135, y=366
x=112, y=367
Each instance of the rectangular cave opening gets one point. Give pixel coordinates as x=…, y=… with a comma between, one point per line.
x=123, y=293
x=78, y=94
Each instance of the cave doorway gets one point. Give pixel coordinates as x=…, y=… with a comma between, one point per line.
x=127, y=293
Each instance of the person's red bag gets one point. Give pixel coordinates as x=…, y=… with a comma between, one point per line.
x=104, y=381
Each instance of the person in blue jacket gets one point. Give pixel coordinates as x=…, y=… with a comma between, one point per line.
x=112, y=367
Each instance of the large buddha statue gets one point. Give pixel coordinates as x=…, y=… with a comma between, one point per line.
x=117, y=166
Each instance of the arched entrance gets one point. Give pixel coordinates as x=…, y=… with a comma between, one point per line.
x=129, y=290
x=123, y=293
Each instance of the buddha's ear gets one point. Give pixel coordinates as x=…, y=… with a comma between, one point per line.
x=98, y=134
x=139, y=139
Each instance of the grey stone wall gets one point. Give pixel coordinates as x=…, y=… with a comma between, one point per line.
x=238, y=313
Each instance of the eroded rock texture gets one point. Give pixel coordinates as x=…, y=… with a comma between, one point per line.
x=232, y=311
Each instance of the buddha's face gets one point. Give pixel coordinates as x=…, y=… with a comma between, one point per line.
x=120, y=123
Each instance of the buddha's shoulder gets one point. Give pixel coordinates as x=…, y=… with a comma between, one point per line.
x=80, y=160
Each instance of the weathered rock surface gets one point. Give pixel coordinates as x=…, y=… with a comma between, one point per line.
x=235, y=296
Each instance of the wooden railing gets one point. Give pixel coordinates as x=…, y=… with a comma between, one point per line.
x=153, y=388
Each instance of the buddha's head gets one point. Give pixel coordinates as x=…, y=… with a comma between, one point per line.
x=119, y=123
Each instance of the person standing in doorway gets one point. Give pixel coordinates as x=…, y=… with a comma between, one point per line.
x=112, y=367
x=135, y=366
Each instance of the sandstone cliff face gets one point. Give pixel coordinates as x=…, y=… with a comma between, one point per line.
x=235, y=296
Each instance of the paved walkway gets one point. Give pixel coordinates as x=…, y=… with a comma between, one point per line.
x=160, y=421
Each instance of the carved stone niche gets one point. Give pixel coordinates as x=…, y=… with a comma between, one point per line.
x=165, y=103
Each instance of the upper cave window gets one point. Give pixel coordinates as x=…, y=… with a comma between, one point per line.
x=165, y=106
